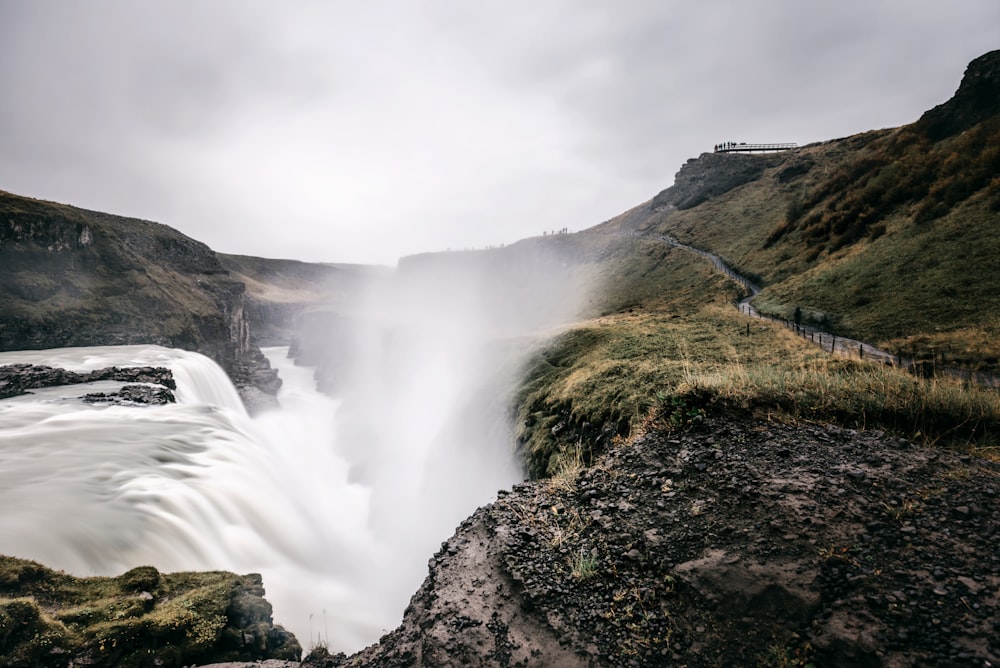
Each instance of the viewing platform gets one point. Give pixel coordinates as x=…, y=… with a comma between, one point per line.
x=743, y=147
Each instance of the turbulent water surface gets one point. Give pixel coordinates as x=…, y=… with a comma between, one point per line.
x=95, y=490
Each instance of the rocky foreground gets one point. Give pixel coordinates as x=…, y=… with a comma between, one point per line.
x=737, y=543
x=49, y=619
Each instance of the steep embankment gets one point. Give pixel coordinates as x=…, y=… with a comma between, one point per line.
x=71, y=277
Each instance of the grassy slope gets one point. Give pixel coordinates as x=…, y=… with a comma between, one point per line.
x=890, y=236
x=887, y=236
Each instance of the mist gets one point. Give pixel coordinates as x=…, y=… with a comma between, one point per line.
x=423, y=364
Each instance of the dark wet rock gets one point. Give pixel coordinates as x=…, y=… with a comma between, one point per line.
x=643, y=559
x=708, y=176
x=129, y=395
x=17, y=379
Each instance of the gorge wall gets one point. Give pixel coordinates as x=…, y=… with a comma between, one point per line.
x=71, y=277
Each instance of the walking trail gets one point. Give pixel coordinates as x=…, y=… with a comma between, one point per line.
x=835, y=344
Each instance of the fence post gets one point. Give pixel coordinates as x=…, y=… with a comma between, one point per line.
x=833, y=343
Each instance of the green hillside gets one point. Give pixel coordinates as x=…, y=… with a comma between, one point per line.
x=889, y=236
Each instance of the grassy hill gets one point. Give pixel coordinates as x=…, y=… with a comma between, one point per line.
x=888, y=236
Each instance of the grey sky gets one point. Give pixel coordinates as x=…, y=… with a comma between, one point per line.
x=362, y=131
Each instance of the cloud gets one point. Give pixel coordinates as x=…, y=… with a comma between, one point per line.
x=364, y=131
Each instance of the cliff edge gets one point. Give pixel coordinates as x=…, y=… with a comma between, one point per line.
x=72, y=277
x=976, y=100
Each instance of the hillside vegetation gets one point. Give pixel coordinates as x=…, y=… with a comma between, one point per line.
x=888, y=236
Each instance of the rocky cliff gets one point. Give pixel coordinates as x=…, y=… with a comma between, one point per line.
x=71, y=277
x=708, y=176
x=735, y=543
x=975, y=100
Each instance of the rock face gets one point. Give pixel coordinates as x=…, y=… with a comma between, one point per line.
x=739, y=543
x=977, y=98
x=708, y=176
x=70, y=277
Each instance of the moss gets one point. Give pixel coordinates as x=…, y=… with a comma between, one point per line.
x=141, y=618
x=139, y=579
x=29, y=637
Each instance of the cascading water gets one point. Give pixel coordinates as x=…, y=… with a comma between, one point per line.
x=338, y=505
x=198, y=485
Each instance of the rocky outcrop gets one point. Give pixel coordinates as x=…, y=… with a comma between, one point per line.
x=17, y=379
x=739, y=543
x=71, y=277
x=133, y=395
x=708, y=176
x=977, y=98
x=140, y=618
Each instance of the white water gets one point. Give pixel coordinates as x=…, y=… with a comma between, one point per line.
x=199, y=485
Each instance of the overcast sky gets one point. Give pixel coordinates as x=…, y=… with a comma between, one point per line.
x=363, y=131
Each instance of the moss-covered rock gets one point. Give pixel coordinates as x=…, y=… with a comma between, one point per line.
x=141, y=618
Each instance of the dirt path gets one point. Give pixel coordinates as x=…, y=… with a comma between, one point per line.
x=832, y=343
x=835, y=344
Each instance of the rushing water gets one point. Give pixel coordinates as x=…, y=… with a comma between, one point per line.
x=96, y=490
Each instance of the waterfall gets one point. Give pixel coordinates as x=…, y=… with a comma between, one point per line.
x=197, y=485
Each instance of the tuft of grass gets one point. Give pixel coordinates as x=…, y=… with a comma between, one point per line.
x=778, y=655
x=584, y=565
x=937, y=410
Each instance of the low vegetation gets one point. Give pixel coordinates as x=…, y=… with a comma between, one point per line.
x=608, y=377
x=140, y=618
x=888, y=236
